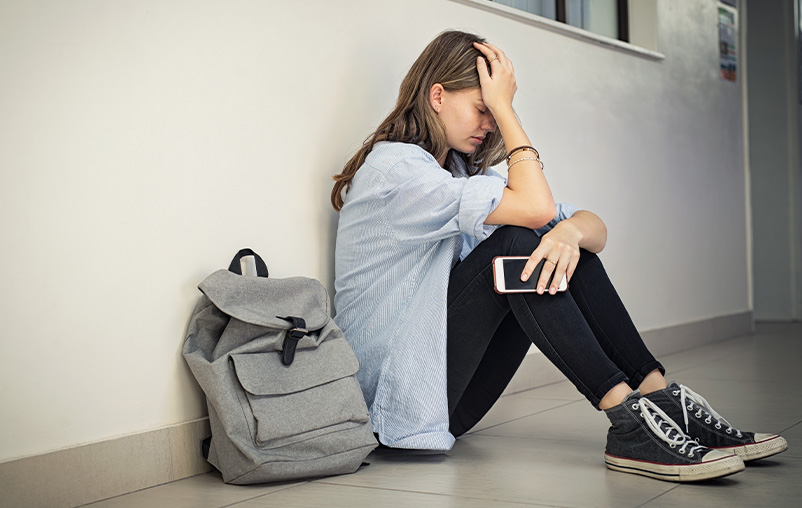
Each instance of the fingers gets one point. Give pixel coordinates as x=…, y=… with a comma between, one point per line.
x=485, y=49
x=559, y=260
x=496, y=77
x=484, y=73
x=551, y=269
x=530, y=265
x=493, y=54
x=498, y=54
x=563, y=268
x=562, y=265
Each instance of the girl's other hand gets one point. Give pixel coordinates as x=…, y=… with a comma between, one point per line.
x=498, y=89
x=560, y=248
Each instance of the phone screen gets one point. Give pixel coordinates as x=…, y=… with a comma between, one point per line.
x=512, y=274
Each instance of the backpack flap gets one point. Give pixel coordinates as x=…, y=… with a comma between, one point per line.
x=260, y=301
x=265, y=374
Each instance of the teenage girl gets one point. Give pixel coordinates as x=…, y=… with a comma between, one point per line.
x=422, y=215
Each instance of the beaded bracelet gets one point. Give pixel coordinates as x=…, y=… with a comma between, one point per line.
x=527, y=159
x=520, y=149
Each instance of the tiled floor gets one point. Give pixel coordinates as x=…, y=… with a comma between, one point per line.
x=544, y=447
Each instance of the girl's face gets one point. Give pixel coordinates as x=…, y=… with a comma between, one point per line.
x=466, y=118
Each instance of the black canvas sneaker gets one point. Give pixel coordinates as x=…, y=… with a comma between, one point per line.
x=709, y=428
x=644, y=440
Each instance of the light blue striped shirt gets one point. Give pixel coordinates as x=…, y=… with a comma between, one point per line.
x=404, y=225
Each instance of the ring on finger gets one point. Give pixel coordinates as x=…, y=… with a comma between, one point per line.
x=551, y=261
x=492, y=59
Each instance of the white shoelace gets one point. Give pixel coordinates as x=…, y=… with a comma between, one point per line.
x=686, y=394
x=662, y=425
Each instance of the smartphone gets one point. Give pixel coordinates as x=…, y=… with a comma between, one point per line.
x=507, y=275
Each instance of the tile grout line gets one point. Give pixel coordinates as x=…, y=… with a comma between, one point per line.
x=423, y=492
x=470, y=433
x=658, y=496
x=791, y=427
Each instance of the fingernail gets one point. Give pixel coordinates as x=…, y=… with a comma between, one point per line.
x=552, y=290
x=524, y=277
x=540, y=290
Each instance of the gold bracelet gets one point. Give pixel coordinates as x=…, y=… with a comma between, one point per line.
x=516, y=161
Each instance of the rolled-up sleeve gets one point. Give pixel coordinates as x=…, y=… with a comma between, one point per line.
x=480, y=197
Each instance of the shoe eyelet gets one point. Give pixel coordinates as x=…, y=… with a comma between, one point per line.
x=698, y=414
x=635, y=406
x=739, y=434
x=672, y=445
x=690, y=406
x=675, y=392
x=690, y=455
x=729, y=431
x=718, y=426
x=708, y=420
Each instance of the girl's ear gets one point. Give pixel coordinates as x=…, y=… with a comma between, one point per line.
x=436, y=97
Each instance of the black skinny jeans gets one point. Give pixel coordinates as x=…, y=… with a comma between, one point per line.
x=586, y=331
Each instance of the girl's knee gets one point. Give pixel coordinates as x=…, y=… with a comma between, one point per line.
x=518, y=241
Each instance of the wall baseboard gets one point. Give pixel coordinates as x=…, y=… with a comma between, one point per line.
x=88, y=473
x=92, y=472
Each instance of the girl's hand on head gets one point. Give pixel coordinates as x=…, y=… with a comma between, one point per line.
x=498, y=89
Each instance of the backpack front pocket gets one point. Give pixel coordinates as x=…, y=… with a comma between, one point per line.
x=280, y=397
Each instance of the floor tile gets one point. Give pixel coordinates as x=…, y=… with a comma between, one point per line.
x=779, y=367
x=563, y=390
x=771, y=483
x=324, y=495
x=514, y=407
x=493, y=468
x=575, y=421
x=683, y=360
x=202, y=491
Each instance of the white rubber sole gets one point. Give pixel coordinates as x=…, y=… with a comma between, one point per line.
x=765, y=445
x=717, y=464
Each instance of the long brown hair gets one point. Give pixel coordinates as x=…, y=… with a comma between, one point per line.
x=450, y=59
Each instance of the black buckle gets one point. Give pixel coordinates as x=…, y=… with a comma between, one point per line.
x=294, y=334
x=297, y=333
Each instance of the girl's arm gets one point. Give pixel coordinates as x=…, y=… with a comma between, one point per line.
x=527, y=200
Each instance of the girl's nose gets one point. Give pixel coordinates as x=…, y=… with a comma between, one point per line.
x=489, y=123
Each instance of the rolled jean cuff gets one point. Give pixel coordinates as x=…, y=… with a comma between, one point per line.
x=595, y=399
x=647, y=369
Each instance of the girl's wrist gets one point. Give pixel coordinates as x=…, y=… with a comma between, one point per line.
x=504, y=114
x=571, y=228
x=510, y=129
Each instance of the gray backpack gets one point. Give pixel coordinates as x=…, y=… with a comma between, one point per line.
x=279, y=378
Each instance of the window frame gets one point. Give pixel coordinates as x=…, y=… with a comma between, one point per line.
x=566, y=29
x=622, y=15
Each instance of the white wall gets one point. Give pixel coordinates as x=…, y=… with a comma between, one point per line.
x=143, y=142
